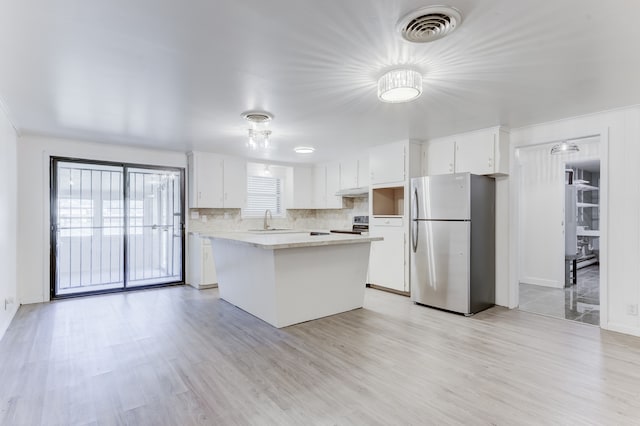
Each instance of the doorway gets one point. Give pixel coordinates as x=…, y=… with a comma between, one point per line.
x=114, y=226
x=559, y=245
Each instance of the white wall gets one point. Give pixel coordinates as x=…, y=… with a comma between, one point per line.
x=621, y=266
x=8, y=219
x=34, y=154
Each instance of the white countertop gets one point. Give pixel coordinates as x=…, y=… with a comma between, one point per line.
x=289, y=240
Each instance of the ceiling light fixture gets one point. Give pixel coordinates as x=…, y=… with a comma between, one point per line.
x=258, y=130
x=304, y=150
x=400, y=85
x=564, y=147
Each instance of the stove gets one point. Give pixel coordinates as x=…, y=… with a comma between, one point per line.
x=359, y=226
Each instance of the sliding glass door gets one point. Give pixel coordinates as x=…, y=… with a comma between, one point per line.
x=114, y=226
x=154, y=240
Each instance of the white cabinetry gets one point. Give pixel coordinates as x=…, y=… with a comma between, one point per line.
x=333, y=186
x=205, y=180
x=326, y=182
x=216, y=181
x=202, y=270
x=387, y=163
x=475, y=153
x=301, y=193
x=349, y=174
x=354, y=173
x=440, y=157
x=392, y=167
x=483, y=152
x=235, y=183
x=388, y=257
x=363, y=172
x=319, y=187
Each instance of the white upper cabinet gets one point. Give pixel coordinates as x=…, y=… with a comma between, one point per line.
x=387, y=163
x=363, y=172
x=301, y=189
x=440, y=157
x=326, y=182
x=319, y=187
x=354, y=173
x=216, y=181
x=206, y=175
x=333, y=186
x=483, y=152
x=475, y=153
x=235, y=183
x=349, y=174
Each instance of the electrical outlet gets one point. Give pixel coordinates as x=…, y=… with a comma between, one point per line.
x=203, y=218
x=632, y=310
x=8, y=301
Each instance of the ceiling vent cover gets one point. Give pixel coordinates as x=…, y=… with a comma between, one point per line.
x=257, y=116
x=429, y=23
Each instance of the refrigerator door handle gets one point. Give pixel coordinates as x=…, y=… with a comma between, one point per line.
x=414, y=222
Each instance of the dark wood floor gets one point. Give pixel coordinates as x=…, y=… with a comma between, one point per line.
x=181, y=356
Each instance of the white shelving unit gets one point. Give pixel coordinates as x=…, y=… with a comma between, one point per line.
x=588, y=214
x=588, y=233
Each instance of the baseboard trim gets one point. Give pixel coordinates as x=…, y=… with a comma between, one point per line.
x=203, y=286
x=541, y=282
x=389, y=290
x=621, y=328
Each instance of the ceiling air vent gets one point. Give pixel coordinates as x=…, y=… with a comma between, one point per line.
x=429, y=23
x=257, y=116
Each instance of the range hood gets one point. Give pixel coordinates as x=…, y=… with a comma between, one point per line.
x=362, y=191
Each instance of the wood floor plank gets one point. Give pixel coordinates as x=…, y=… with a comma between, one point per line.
x=182, y=356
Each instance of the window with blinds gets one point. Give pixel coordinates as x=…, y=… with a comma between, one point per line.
x=263, y=192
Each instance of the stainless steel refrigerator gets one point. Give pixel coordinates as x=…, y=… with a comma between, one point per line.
x=453, y=242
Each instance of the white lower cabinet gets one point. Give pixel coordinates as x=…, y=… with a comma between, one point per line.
x=202, y=270
x=387, y=259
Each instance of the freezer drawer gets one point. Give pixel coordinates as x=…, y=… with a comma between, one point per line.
x=440, y=266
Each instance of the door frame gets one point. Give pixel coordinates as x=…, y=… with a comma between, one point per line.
x=53, y=219
x=514, y=226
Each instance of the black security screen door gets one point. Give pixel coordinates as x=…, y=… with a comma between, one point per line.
x=114, y=226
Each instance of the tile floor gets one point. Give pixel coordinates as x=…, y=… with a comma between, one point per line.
x=580, y=302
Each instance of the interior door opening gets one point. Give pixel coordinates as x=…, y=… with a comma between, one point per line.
x=560, y=231
x=114, y=226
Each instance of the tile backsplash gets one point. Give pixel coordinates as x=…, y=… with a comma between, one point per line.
x=231, y=219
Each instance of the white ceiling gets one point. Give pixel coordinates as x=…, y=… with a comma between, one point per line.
x=177, y=74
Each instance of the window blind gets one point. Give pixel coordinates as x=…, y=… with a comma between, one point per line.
x=263, y=193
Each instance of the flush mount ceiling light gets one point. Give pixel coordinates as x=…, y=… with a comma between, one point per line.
x=564, y=147
x=429, y=23
x=400, y=85
x=258, y=129
x=304, y=150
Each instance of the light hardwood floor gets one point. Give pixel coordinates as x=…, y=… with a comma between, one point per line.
x=181, y=356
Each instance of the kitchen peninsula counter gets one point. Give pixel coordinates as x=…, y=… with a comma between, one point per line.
x=288, y=278
x=292, y=239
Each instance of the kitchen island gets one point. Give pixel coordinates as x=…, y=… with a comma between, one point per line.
x=289, y=278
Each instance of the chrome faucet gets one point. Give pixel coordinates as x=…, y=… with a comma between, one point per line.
x=267, y=219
